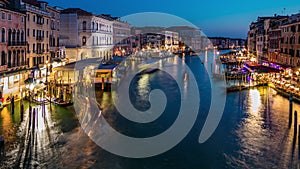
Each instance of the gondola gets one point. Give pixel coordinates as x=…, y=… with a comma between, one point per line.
x=60, y=102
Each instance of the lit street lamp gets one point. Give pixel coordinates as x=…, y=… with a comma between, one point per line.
x=47, y=67
x=31, y=86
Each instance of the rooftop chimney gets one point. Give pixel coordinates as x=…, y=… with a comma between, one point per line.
x=43, y=4
x=16, y=4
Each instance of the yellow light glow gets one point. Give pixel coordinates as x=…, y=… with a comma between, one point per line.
x=40, y=124
x=255, y=102
x=144, y=86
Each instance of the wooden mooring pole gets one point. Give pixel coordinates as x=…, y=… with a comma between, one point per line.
x=291, y=110
x=295, y=123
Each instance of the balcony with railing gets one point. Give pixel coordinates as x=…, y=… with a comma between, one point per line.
x=53, y=48
x=40, y=38
x=40, y=21
x=35, y=9
x=3, y=68
x=274, y=37
x=16, y=43
x=15, y=64
x=96, y=31
x=41, y=51
x=40, y=65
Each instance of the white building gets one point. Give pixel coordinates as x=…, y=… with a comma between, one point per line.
x=85, y=35
x=121, y=37
x=190, y=36
x=171, y=40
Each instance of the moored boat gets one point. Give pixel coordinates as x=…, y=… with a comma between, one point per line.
x=60, y=102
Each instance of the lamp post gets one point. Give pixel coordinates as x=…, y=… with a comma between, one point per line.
x=297, y=73
x=30, y=90
x=47, y=71
x=48, y=66
x=291, y=80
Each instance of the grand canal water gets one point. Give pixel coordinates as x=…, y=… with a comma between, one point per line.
x=41, y=147
x=253, y=132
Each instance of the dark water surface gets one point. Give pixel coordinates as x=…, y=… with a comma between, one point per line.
x=253, y=132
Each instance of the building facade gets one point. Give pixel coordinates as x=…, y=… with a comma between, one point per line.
x=190, y=36
x=251, y=38
x=155, y=38
x=85, y=35
x=275, y=41
x=171, y=40
x=54, y=46
x=135, y=39
x=121, y=37
x=42, y=26
x=227, y=43
x=12, y=49
x=148, y=37
x=290, y=41
x=274, y=45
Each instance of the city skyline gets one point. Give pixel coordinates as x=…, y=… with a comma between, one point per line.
x=214, y=18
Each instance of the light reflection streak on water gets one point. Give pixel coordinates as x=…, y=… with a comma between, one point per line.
x=264, y=139
x=36, y=148
x=144, y=86
x=7, y=124
x=254, y=101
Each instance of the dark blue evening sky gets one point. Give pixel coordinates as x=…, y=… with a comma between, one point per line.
x=230, y=18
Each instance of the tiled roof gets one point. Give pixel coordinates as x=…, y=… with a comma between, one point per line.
x=32, y=2
x=76, y=10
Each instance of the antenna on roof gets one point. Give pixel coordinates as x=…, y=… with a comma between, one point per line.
x=283, y=12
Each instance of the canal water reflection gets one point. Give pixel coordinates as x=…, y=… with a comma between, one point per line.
x=263, y=136
x=253, y=132
x=35, y=143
